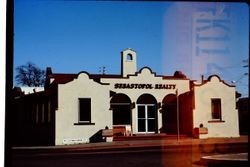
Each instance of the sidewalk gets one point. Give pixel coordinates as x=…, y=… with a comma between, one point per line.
x=137, y=144
x=229, y=160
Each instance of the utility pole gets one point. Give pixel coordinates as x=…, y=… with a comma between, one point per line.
x=177, y=115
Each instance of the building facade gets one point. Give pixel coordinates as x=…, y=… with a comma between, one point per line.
x=75, y=108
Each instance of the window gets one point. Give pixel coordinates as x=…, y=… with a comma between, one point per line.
x=216, y=108
x=147, y=118
x=85, y=110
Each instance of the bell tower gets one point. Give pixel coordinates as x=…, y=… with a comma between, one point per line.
x=128, y=62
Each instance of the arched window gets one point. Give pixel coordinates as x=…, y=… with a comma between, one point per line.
x=170, y=99
x=121, y=106
x=146, y=99
x=169, y=114
x=120, y=98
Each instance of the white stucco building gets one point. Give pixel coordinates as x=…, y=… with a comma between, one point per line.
x=75, y=108
x=215, y=108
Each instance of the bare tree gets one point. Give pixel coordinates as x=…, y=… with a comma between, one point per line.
x=30, y=75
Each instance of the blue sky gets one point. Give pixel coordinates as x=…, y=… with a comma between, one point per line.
x=74, y=36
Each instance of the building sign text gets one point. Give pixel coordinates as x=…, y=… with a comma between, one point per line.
x=143, y=86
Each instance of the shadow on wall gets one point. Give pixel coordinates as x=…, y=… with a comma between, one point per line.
x=97, y=137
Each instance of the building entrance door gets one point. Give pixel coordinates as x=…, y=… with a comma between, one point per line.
x=146, y=118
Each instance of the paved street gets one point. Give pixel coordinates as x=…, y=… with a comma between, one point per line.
x=186, y=153
x=123, y=158
x=107, y=160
